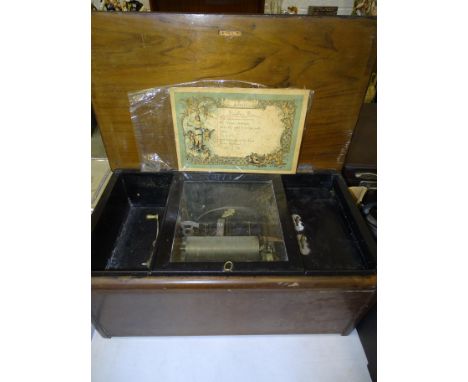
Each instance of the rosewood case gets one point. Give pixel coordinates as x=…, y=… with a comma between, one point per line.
x=124, y=239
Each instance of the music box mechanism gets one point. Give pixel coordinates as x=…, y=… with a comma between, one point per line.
x=231, y=222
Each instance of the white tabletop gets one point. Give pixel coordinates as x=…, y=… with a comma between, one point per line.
x=318, y=357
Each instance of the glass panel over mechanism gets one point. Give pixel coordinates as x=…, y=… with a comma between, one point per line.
x=228, y=221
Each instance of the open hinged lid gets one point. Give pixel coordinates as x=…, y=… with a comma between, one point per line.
x=333, y=56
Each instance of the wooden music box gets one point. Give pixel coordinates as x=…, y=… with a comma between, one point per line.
x=206, y=227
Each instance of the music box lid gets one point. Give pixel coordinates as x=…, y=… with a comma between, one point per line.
x=333, y=56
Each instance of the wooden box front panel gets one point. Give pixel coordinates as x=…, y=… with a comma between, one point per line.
x=331, y=55
x=186, y=313
x=250, y=307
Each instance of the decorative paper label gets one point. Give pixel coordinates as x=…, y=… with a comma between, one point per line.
x=238, y=129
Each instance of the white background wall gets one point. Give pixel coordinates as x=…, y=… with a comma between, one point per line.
x=344, y=6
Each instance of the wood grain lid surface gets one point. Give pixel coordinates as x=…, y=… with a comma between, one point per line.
x=333, y=56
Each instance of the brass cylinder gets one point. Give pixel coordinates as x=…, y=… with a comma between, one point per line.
x=221, y=248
